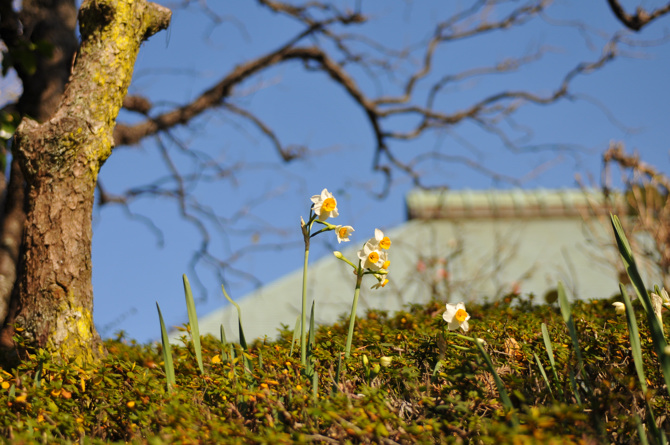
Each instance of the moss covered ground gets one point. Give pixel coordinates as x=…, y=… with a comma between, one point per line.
x=436, y=389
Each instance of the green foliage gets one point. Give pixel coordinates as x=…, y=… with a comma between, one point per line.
x=125, y=397
x=655, y=325
x=193, y=322
x=167, y=352
x=496, y=378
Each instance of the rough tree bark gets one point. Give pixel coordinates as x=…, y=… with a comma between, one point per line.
x=52, y=21
x=60, y=160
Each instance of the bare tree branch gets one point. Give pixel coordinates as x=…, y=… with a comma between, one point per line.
x=288, y=153
x=414, y=92
x=640, y=19
x=138, y=104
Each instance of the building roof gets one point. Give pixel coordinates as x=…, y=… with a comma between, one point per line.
x=516, y=203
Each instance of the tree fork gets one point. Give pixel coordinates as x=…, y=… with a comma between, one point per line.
x=52, y=303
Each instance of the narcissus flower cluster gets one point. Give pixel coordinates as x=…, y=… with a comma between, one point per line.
x=324, y=206
x=374, y=257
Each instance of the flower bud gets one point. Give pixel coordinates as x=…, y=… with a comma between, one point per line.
x=619, y=307
x=385, y=361
x=338, y=255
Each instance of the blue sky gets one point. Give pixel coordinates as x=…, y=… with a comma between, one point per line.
x=132, y=270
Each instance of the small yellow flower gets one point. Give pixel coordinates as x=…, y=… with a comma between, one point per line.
x=384, y=260
x=216, y=359
x=382, y=282
x=383, y=241
x=5, y=385
x=457, y=316
x=130, y=404
x=371, y=257
x=325, y=205
x=619, y=307
x=343, y=233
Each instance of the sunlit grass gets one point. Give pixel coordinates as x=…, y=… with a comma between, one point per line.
x=404, y=402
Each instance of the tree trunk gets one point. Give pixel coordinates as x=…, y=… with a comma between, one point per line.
x=52, y=21
x=60, y=160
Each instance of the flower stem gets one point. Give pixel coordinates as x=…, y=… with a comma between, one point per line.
x=352, y=317
x=306, y=229
x=303, y=323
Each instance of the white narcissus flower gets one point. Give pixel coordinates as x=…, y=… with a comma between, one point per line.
x=343, y=233
x=456, y=316
x=325, y=205
x=382, y=282
x=384, y=258
x=619, y=307
x=383, y=241
x=371, y=257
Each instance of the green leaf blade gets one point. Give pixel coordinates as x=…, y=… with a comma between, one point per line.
x=193, y=323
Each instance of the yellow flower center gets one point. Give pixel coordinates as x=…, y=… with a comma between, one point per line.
x=386, y=264
x=385, y=243
x=329, y=204
x=461, y=315
x=373, y=257
x=343, y=232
